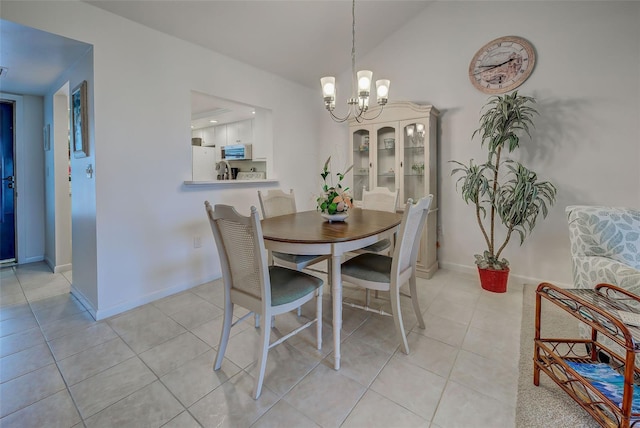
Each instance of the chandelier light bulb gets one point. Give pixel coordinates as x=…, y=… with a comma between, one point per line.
x=364, y=82
x=382, y=89
x=328, y=86
x=329, y=89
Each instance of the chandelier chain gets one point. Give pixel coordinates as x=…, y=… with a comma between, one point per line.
x=354, y=83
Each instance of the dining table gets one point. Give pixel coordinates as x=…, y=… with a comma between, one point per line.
x=307, y=233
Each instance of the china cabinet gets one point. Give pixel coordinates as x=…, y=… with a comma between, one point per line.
x=398, y=150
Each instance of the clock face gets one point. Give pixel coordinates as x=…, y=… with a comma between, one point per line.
x=502, y=64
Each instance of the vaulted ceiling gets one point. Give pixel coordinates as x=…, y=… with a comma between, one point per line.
x=299, y=40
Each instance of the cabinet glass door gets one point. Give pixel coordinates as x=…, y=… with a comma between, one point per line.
x=360, y=162
x=414, y=184
x=386, y=161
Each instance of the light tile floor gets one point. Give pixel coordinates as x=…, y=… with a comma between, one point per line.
x=152, y=366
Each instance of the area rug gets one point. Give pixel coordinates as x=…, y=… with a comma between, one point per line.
x=545, y=405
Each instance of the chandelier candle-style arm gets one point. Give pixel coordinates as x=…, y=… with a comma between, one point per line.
x=358, y=104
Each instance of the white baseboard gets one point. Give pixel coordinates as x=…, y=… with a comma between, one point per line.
x=30, y=260
x=85, y=302
x=63, y=268
x=469, y=270
x=58, y=268
x=473, y=270
x=131, y=304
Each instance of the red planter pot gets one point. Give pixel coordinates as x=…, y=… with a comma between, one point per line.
x=494, y=280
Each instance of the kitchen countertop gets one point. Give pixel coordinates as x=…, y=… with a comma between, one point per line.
x=216, y=183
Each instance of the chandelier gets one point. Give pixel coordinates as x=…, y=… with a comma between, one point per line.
x=361, y=86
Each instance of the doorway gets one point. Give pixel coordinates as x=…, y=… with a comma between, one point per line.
x=7, y=189
x=58, y=223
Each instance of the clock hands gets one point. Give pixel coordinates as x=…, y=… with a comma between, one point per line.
x=491, y=67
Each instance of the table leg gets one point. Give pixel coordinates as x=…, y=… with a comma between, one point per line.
x=336, y=286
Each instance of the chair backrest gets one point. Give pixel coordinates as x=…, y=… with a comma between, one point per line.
x=275, y=202
x=380, y=198
x=241, y=249
x=611, y=232
x=408, y=238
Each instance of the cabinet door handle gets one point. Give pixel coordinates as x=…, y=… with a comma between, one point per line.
x=400, y=164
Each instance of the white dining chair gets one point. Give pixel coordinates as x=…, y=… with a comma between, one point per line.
x=251, y=283
x=384, y=273
x=380, y=199
x=275, y=203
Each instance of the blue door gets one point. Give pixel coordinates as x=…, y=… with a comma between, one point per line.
x=7, y=188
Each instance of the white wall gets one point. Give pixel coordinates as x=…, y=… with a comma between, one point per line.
x=145, y=218
x=587, y=137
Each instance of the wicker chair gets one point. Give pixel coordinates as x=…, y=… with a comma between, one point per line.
x=380, y=199
x=379, y=272
x=274, y=203
x=249, y=282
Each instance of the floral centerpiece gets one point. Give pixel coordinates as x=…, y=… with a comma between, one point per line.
x=334, y=200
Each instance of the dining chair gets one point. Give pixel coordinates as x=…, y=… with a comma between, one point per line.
x=388, y=273
x=250, y=282
x=380, y=199
x=275, y=203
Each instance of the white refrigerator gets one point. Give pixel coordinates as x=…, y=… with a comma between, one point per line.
x=203, y=163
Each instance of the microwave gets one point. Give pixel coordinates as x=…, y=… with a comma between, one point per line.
x=236, y=152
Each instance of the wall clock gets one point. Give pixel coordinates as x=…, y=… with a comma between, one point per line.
x=502, y=64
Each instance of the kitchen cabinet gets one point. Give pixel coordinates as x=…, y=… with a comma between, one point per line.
x=220, y=135
x=240, y=132
x=398, y=150
x=207, y=135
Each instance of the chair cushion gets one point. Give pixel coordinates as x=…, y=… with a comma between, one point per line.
x=294, y=258
x=369, y=267
x=288, y=285
x=378, y=246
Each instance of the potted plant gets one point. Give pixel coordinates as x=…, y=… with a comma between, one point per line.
x=335, y=200
x=504, y=189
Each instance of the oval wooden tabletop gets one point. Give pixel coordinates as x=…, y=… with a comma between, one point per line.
x=310, y=227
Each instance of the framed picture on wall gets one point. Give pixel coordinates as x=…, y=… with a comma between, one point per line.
x=79, y=121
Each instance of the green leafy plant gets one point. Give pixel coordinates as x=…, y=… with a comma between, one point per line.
x=334, y=199
x=503, y=188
